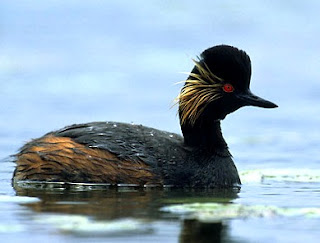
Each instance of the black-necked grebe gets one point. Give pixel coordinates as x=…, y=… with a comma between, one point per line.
x=120, y=153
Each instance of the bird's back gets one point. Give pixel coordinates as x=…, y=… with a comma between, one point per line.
x=108, y=152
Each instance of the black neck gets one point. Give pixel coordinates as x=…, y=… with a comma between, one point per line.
x=204, y=133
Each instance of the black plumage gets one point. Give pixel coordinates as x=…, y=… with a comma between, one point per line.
x=164, y=152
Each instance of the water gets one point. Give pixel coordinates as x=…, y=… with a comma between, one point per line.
x=72, y=62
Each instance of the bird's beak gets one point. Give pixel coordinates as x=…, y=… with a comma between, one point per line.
x=250, y=99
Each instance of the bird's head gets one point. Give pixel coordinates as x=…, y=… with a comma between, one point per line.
x=218, y=85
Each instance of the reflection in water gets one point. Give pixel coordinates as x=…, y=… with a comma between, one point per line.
x=194, y=231
x=140, y=204
x=100, y=204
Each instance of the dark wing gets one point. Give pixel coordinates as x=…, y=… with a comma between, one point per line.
x=128, y=141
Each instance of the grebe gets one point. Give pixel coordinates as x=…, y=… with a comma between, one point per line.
x=121, y=153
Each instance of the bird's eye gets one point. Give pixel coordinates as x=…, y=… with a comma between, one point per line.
x=228, y=88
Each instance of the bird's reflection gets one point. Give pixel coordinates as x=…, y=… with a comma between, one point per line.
x=194, y=231
x=139, y=204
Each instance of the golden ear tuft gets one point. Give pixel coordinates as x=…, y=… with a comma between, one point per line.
x=199, y=90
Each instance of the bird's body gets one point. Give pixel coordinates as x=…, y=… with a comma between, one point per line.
x=121, y=153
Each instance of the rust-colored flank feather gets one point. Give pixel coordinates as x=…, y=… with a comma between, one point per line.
x=199, y=91
x=52, y=158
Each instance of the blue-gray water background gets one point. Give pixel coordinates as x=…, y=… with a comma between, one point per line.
x=65, y=62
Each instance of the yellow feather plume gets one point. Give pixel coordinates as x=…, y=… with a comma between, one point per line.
x=199, y=90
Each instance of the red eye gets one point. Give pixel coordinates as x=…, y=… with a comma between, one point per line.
x=228, y=88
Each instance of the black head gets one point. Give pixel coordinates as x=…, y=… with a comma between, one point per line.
x=218, y=85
